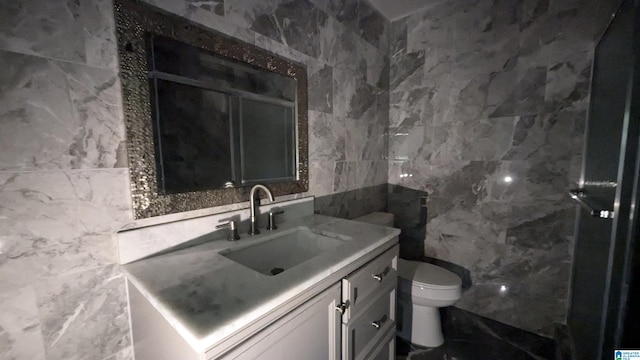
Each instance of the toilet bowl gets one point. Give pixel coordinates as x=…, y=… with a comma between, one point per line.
x=422, y=289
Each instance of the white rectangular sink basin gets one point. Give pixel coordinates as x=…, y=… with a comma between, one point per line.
x=283, y=251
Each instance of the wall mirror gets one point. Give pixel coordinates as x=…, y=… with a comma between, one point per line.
x=207, y=115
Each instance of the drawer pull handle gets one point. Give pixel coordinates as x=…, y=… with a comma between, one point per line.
x=381, y=275
x=378, y=323
x=342, y=307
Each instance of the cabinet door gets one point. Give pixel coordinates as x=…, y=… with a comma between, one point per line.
x=311, y=331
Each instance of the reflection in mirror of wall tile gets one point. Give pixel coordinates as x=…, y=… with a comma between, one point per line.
x=50, y=29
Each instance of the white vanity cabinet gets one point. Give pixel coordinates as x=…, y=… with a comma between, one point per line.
x=369, y=319
x=311, y=331
x=355, y=318
x=347, y=314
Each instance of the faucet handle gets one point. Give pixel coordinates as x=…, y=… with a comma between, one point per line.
x=233, y=230
x=271, y=224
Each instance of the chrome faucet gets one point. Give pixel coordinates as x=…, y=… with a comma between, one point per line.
x=253, y=230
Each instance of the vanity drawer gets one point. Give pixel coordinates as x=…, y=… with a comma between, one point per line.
x=366, y=283
x=385, y=349
x=365, y=331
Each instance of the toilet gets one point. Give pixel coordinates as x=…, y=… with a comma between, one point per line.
x=422, y=289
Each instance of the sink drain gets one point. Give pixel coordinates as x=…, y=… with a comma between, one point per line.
x=276, y=271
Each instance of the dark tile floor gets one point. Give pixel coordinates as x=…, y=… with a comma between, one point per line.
x=472, y=337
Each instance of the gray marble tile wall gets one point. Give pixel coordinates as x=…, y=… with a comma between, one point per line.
x=64, y=186
x=488, y=103
x=354, y=203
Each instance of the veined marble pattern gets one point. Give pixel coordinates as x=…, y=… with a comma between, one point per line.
x=351, y=175
x=362, y=102
x=410, y=107
x=57, y=237
x=75, y=308
x=345, y=12
x=353, y=203
x=84, y=104
x=339, y=48
x=397, y=38
x=295, y=24
x=99, y=33
x=64, y=185
x=321, y=87
x=373, y=27
x=488, y=106
x=436, y=20
x=125, y=354
x=80, y=31
x=321, y=181
x=20, y=333
x=364, y=141
x=59, y=222
x=209, y=6
x=382, y=110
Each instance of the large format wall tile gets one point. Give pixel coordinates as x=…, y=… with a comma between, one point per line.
x=436, y=21
x=346, y=12
x=20, y=332
x=50, y=28
x=64, y=184
x=353, y=203
x=58, y=115
x=80, y=31
x=338, y=48
x=76, y=308
x=327, y=137
x=321, y=87
x=294, y=23
x=372, y=26
x=488, y=104
x=59, y=222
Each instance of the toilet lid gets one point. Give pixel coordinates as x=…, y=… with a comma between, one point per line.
x=429, y=275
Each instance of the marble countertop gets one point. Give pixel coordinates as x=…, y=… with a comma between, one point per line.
x=207, y=297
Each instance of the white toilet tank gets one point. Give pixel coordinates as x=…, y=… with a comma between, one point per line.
x=377, y=218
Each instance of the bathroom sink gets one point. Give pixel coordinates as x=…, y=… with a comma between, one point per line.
x=282, y=252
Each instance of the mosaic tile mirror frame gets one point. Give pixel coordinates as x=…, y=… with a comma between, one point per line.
x=134, y=22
